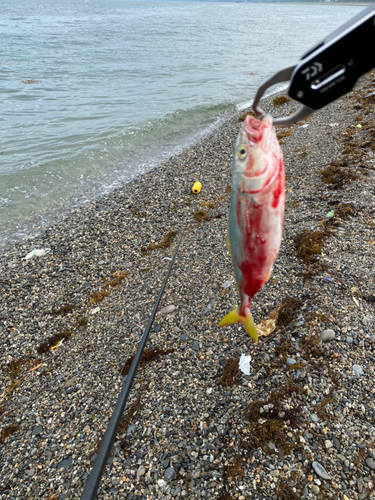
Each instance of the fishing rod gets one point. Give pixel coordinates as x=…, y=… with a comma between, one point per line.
x=96, y=473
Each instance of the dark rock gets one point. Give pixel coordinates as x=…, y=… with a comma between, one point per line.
x=195, y=346
x=336, y=443
x=169, y=474
x=64, y=464
x=37, y=430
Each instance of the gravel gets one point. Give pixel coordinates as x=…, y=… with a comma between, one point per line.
x=194, y=426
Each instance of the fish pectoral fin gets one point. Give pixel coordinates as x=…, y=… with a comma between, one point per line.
x=247, y=320
x=231, y=318
x=228, y=244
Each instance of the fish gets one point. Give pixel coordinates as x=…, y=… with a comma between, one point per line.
x=256, y=213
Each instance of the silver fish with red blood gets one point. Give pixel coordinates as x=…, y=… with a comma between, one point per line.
x=256, y=213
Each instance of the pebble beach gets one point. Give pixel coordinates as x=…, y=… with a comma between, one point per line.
x=300, y=425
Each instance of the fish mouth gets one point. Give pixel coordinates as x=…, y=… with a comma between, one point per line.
x=253, y=129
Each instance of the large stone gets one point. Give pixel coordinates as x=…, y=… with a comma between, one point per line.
x=169, y=474
x=357, y=369
x=141, y=470
x=315, y=489
x=167, y=309
x=327, y=335
x=195, y=346
x=37, y=430
x=64, y=464
x=70, y=382
x=320, y=470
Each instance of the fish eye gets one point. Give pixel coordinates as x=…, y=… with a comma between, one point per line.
x=242, y=152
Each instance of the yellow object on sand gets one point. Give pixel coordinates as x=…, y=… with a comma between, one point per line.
x=197, y=187
x=246, y=319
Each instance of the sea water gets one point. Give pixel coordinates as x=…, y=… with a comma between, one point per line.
x=94, y=93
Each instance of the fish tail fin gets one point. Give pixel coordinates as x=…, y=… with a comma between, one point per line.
x=247, y=320
x=231, y=318
x=248, y=323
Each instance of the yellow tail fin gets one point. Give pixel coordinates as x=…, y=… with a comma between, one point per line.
x=247, y=320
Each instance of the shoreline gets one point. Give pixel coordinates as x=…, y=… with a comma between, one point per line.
x=36, y=226
x=192, y=427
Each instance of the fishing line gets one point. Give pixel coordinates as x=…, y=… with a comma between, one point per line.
x=96, y=473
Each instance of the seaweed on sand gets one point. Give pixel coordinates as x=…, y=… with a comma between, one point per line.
x=207, y=204
x=280, y=100
x=164, y=244
x=230, y=373
x=225, y=496
x=81, y=321
x=123, y=425
x=15, y=367
x=137, y=213
x=233, y=471
x=311, y=346
x=98, y=297
x=322, y=410
x=248, y=113
x=118, y=277
x=346, y=210
x=201, y=215
x=315, y=316
x=7, y=431
x=148, y=356
x=130, y=414
x=308, y=244
x=284, y=491
x=283, y=133
x=287, y=311
x=337, y=176
x=53, y=341
x=268, y=429
x=269, y=421
x=63, y=309
x=315, y=267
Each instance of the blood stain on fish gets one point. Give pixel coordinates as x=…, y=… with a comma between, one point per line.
x=256, y=213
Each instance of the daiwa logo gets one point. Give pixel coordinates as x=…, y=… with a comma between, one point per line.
x=313, y=70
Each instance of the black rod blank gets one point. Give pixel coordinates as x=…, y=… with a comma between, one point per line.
x=96, y=473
